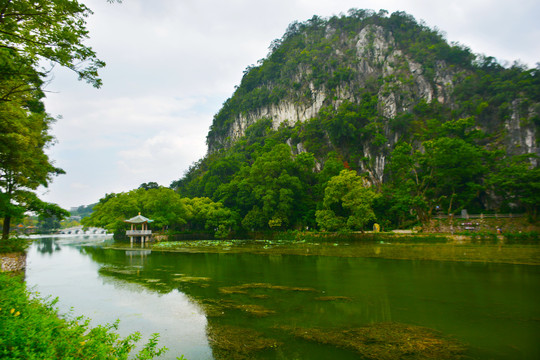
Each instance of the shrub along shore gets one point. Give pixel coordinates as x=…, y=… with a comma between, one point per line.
x=31, y=328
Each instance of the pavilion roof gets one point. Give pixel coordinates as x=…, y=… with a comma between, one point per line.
x=139, y=219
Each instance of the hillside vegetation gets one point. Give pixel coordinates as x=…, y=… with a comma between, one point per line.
x=370, y=117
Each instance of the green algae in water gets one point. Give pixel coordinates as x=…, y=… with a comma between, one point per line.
x=212, y=309
x=112, y=270
x=260, y=296
x=379, y=341
x=386, y=341
x=192, y=279
x=333, y=298
x=243, y=289
x=237, y=343
x=215, y=308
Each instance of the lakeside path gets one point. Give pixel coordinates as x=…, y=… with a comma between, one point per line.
x=405, y=250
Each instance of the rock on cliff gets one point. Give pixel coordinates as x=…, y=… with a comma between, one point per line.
x=328, y=64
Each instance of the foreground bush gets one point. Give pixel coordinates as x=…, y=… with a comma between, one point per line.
x=523, y=238
x=30, y=328
x=13, y=244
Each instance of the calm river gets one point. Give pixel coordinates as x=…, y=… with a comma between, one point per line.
x=252, y=306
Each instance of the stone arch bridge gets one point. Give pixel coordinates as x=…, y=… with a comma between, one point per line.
x=80, y=230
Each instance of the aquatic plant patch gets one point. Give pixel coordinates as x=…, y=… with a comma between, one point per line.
x=243, y=289
x=110, y=269
x=192, y=279
x=386, y=341
x=236, y=343
x=333, y=298
x=216, y=308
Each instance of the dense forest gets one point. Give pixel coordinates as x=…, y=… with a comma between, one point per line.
x=355, y=119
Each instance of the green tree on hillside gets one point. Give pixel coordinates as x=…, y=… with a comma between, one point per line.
x=456, y=168
x=447, y=172
x=348, y=201
x=517, y=180
x=202, y=214
x=150, y=185
x=276, y=191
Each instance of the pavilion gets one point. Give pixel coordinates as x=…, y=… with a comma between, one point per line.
x=144, y=233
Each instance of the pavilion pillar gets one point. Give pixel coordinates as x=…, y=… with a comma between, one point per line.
x=143, y=238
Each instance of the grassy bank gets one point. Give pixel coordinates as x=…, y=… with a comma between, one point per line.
x=13, y=244
x=31, y=328
x=529, y=237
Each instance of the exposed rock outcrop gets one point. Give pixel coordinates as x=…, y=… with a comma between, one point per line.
x=12, y=261
x=381, y=66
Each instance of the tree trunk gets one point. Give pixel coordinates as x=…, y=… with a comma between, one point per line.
x=6, y=227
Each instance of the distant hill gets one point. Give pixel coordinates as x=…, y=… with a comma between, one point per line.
x=82, y=211
x=430, y=124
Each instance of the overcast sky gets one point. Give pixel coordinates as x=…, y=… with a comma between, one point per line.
x=172, y=63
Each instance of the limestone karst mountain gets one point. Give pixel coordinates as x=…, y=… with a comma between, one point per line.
x=368, y=91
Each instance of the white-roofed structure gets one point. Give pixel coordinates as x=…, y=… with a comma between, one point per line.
x=144, y=233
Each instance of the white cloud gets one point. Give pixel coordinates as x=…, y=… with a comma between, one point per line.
x=160, y=154
x=79, y=186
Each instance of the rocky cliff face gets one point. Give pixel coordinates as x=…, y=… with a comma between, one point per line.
x=377, y=59
x=380, y=65
x=521, y=134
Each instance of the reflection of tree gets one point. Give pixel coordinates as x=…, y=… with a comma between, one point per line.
x=48, y=246
x=236, y=302
x=263, y=301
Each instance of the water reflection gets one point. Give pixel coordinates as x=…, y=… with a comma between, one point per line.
x=264, y=300
x=73, y=276
x=47, y=246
